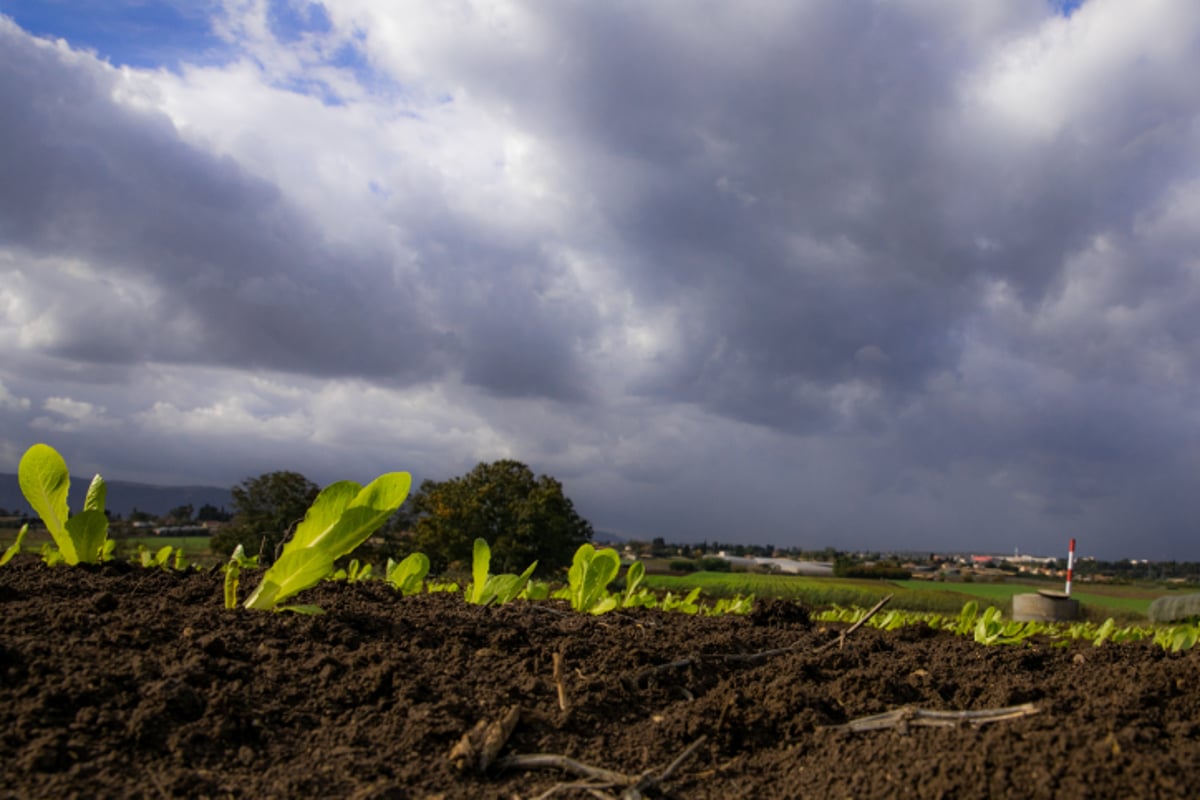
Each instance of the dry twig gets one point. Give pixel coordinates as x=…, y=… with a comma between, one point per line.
x=558, y=681
x=902, y=718
x=601, y=778
x=842, y=638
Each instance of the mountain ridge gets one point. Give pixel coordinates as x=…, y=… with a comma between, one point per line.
x=123, y=496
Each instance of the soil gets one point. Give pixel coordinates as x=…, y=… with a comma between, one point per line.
x=122, y=682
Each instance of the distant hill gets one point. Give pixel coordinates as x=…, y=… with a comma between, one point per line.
x=124, y=496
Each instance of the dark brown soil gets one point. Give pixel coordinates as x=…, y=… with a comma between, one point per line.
x=122, y=682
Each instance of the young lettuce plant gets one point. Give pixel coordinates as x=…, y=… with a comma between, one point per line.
x=353, y=573
x=238, y=561
x=742, y=604
x=80, y=538
x=343, y=516
x=591, y=572
x=485, y=587
x=408, y=575
x=15, y=547
x=688, y=604
x=161, y=559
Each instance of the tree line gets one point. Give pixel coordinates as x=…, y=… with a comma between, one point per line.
x=525, y=518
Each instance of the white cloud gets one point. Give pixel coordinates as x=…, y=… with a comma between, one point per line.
x=10, y=402
x=819, y=273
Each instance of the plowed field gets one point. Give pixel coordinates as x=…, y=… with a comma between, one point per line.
x=122, y=682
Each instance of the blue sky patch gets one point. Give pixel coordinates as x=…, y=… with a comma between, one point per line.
x=1066, y=7
x=289, y=21
x=146, y=34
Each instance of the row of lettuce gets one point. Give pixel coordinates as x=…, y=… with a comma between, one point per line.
x=345, y=514
x=989, y=627
x=342, y=517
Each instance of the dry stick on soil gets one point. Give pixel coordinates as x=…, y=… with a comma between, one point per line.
x=633, y=785
x=902, y=718
x=842, y=638
x=558, y=681
x=753, y=658
x=478, y=747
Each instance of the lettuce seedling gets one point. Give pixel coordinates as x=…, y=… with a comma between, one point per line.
x=485, y=587
x=535, y=590
x=343, y=516
x=353, y=573
x=591, y=572
x=15, y=547
x=238, y=561
x=45, y=481
x=741, y=604
x=688, y=604
x=160, y=558
x=408, y=575
x=633, y=581
x=965, y=624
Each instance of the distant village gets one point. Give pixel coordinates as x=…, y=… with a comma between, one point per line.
x=966, y=567
x=661, y=556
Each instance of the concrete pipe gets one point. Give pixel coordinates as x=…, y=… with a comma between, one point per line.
x=1044, y=607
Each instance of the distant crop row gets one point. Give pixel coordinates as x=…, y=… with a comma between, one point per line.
x=990, y=628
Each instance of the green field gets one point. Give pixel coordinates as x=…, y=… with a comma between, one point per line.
x=810, y=591
x=1124, y=602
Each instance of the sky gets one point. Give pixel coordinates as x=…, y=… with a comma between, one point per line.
x=867, y=274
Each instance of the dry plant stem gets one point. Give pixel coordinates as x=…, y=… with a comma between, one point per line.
x=903, y=717
x=842, y=638
x=558, y=682
x=604, y=778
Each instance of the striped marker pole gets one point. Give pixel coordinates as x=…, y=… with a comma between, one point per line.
x=1070, y=566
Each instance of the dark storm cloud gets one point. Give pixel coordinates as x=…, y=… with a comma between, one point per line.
x=782, y=183
x=870, y=274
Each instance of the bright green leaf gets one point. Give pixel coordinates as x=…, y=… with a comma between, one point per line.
x=86, y=531
x=96, y=493
x=293, y=572
x=408, y=574
x=15, y=547
x=45, y=481
x=325, y=512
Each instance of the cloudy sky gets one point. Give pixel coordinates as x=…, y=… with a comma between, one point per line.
x=863, y=273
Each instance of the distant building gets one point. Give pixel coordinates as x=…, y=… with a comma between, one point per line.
x=787, y=566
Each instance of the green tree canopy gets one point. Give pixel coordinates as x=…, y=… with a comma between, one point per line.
x=181, y=514
x=210, y=513
x=523, y=518
x=266, y=508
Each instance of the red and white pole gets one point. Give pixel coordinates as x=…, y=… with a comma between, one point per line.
x=1070, y=565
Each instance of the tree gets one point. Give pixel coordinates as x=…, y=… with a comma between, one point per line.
x=523, y=518
x=210, y=513
x=266, y=509
x=180, y=515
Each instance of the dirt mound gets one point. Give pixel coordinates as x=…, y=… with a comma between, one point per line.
x=122, y=682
